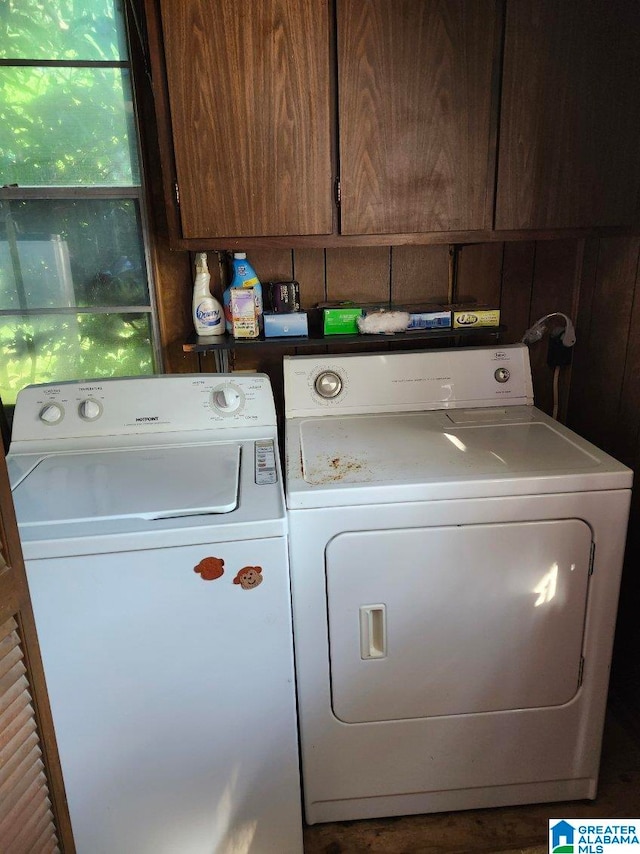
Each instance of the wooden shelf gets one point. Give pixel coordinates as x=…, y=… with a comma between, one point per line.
x=196, y=344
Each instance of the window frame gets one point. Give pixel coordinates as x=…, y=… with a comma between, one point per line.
x=135, y=192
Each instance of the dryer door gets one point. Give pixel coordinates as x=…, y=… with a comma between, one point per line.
x=456, y=619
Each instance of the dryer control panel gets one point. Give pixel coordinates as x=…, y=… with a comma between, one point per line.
x=403, y=382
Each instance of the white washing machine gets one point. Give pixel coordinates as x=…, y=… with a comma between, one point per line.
x=152, y=520
x=456, y=558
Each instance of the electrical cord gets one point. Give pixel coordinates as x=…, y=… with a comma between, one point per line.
x=556, y=374
x=535, y=332
x=560, y=344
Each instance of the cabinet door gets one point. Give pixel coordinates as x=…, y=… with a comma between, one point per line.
x=415, y=114
x=570, y=116
x=248, y=88
x=33, y=808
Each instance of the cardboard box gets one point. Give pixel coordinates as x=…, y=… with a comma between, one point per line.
x=282, y=297
x=244, y=319
x=433, y=317
x=283, y=325
x=475, y=317
x=340, y=321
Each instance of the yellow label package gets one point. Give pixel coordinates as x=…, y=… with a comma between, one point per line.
x=244, y=320
x=475, y=317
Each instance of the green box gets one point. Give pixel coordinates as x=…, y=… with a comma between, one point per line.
x=340, y=321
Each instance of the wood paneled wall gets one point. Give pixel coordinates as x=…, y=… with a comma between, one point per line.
x=604, y=406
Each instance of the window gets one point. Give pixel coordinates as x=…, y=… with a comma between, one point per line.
x=75, y=300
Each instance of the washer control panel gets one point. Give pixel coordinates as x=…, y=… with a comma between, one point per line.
x=164, y=403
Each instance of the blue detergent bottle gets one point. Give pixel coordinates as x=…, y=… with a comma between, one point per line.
x=244, y=276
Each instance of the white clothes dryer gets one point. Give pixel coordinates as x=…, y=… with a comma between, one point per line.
x=153, y=526
x=456, y=558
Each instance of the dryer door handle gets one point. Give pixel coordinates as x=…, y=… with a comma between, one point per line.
x=373, y=631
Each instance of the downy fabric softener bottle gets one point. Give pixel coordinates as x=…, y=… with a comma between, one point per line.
x=207, y=311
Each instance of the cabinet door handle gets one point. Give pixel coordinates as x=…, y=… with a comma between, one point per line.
x=373, y=631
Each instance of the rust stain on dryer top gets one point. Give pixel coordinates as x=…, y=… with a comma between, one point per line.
x=331, y=469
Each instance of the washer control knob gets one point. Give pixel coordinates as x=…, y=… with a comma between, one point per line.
x=502, y=375
x=328, y=384
x=227, y=399
x=51, y=413
x=90, y=409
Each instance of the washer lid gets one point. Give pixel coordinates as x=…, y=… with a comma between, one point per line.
x=157, y=483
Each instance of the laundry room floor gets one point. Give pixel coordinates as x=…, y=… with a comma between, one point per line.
x=510, y=830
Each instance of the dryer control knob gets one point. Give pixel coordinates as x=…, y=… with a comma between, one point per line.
x=328, y=384
x=90, y=409
x=51, y=413
x=502, y=375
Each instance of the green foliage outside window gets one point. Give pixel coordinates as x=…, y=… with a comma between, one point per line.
x=64, y=127
x=66, y=121
x=62, y=30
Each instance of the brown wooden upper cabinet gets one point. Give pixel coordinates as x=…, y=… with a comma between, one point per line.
x=569, y=154
x=454, y=120
x=416, y=114
x=251, y=112
x=249, y=102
